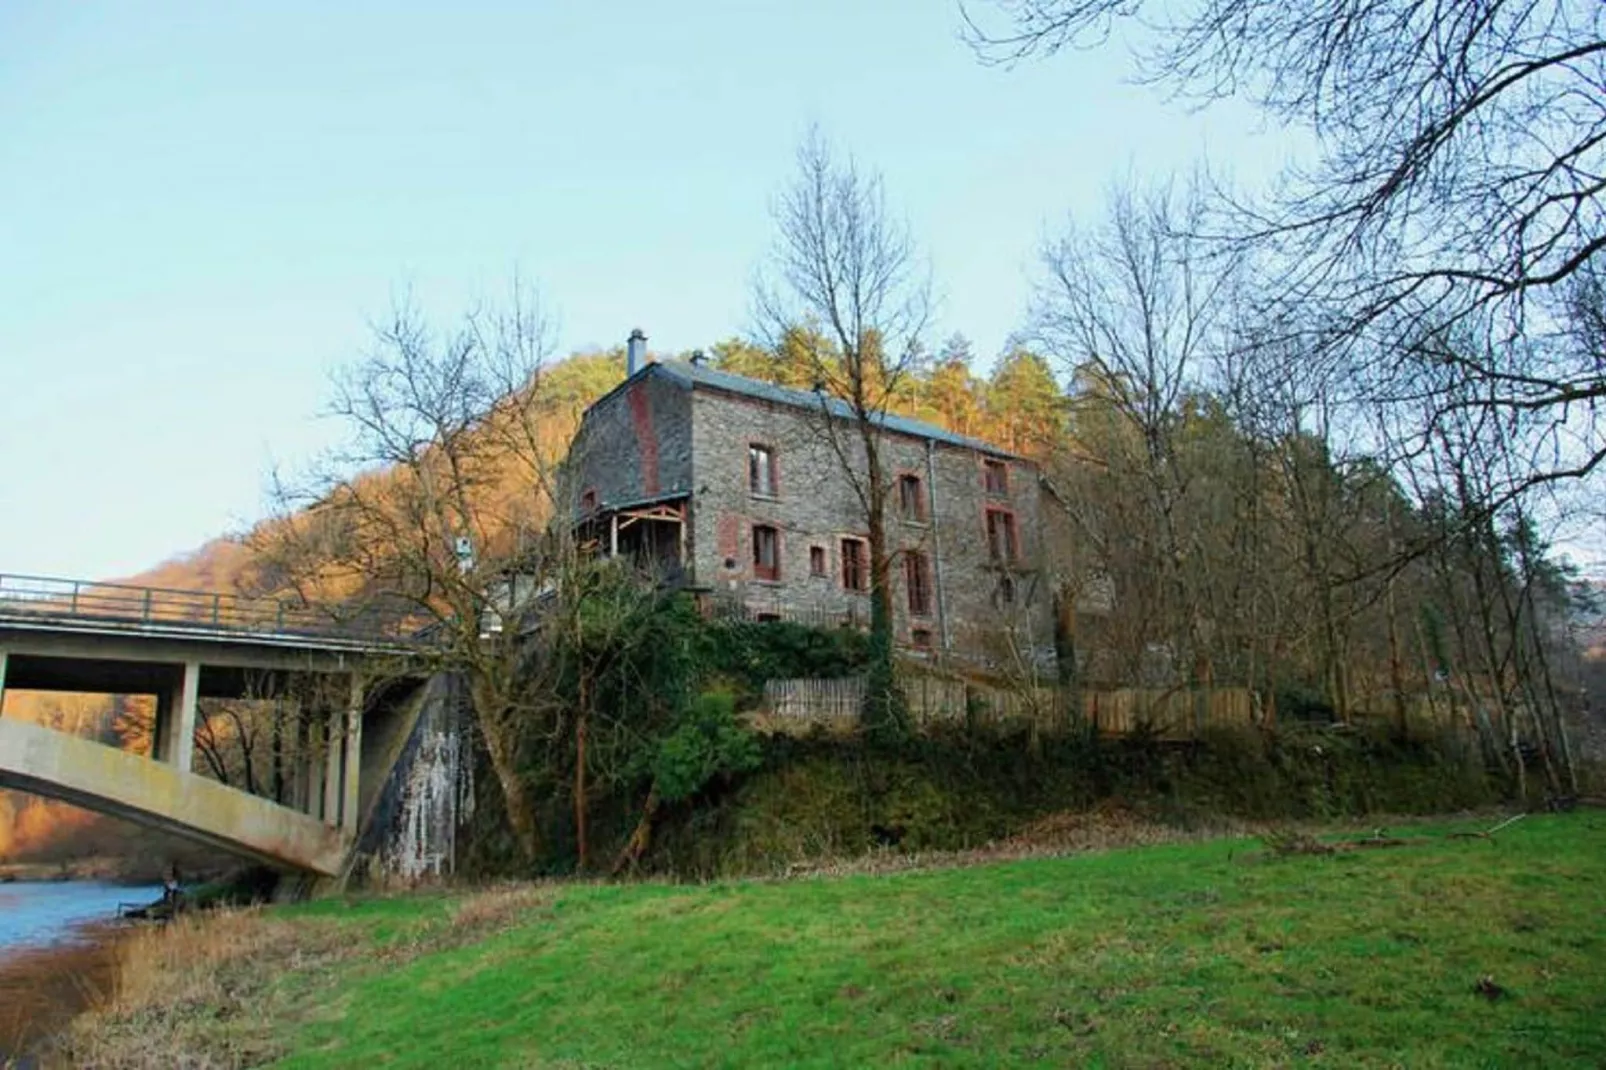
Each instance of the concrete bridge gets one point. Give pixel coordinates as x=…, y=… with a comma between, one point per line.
x=181, y=647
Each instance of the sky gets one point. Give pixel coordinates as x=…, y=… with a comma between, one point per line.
x=202, y=207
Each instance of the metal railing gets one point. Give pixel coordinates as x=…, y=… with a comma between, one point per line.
x=44, y=596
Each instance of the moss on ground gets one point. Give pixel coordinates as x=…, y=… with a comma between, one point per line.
x=827, y=798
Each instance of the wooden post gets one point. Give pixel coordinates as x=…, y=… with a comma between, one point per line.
x=682, y=536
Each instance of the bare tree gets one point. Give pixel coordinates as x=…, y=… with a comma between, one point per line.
x=844, y=288
x=1456, y=184
x=437, y=500
x=1134, y=306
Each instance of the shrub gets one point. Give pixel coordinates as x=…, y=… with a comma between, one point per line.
x=707, y=743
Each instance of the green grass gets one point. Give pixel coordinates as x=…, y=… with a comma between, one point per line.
x=1208, y=954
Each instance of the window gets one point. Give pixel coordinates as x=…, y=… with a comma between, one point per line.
x=588, y=501
x=911, y=502
x=1005, y=594
x=761, y=470
x=995, y=477
x=855, y=565
x=766, y=552
x=816, y=560
x=768, y=618
x=1001, y=543
x=917, y=578
x=920, y=638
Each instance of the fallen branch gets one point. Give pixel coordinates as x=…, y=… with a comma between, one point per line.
x=1488, y=834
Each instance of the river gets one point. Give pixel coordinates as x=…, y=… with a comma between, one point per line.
x=52, y=960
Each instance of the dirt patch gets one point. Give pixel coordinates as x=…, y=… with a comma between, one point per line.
x=1111, y=824
x=1108, y=826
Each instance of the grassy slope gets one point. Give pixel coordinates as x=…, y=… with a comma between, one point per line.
x=1202, y=954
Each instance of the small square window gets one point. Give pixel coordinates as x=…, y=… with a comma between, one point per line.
x=911, y=498
x=816, y=560
x=761, y=470
x=855, y=565
x=766, y=552
x=995, y=477
x=588, y=501
x=920, y=638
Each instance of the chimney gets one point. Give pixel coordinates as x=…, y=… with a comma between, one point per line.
x=698, y=358
x=635, y=352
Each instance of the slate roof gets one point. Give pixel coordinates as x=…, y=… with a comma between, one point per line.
x=694, y=375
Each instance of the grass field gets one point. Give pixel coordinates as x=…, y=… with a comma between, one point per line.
x=1210, y=954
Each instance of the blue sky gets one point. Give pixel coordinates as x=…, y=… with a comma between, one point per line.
x=201, y=206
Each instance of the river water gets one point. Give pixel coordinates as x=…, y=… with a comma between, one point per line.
x=34, y=914
x=53, y=961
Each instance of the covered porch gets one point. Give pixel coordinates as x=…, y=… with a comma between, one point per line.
x=650, y=533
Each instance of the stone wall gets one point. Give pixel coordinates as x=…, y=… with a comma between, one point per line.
x=635, y=443
x=816, y=506
x=655, y=437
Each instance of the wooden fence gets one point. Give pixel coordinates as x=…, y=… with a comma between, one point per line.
x=797, y=706
x=1170, y=714
x=800, y=704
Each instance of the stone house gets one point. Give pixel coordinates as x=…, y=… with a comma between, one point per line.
x=734, y=488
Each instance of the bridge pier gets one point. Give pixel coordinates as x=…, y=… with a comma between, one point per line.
x=351, y=778
x=173, y=741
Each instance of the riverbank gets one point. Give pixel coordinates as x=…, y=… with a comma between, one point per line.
x=110, y=869
x=1430, y=946
x=43, y=988
x=58, y=953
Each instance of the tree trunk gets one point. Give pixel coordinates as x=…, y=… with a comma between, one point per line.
x=520, y=814
x=580, y=838
x=501, y=745
x=276, y=752
x=641, y=838
x=1396, y=668
x=883, y=706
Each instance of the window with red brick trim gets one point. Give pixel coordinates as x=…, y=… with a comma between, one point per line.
x=911, y=498
x=816, y=560
x=917, y=581
x=766, y=552
x=1001, y=544
x=995, y=477
x=855, y=564
x=761, y=473
x=920, y=638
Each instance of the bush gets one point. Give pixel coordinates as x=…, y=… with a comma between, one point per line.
x=744, y=654
x=707, y=743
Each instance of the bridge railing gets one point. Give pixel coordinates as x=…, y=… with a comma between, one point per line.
x=46, y=596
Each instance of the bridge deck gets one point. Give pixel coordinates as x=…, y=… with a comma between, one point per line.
x=41, y=603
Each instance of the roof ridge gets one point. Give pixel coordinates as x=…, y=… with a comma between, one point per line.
x=694, y=375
